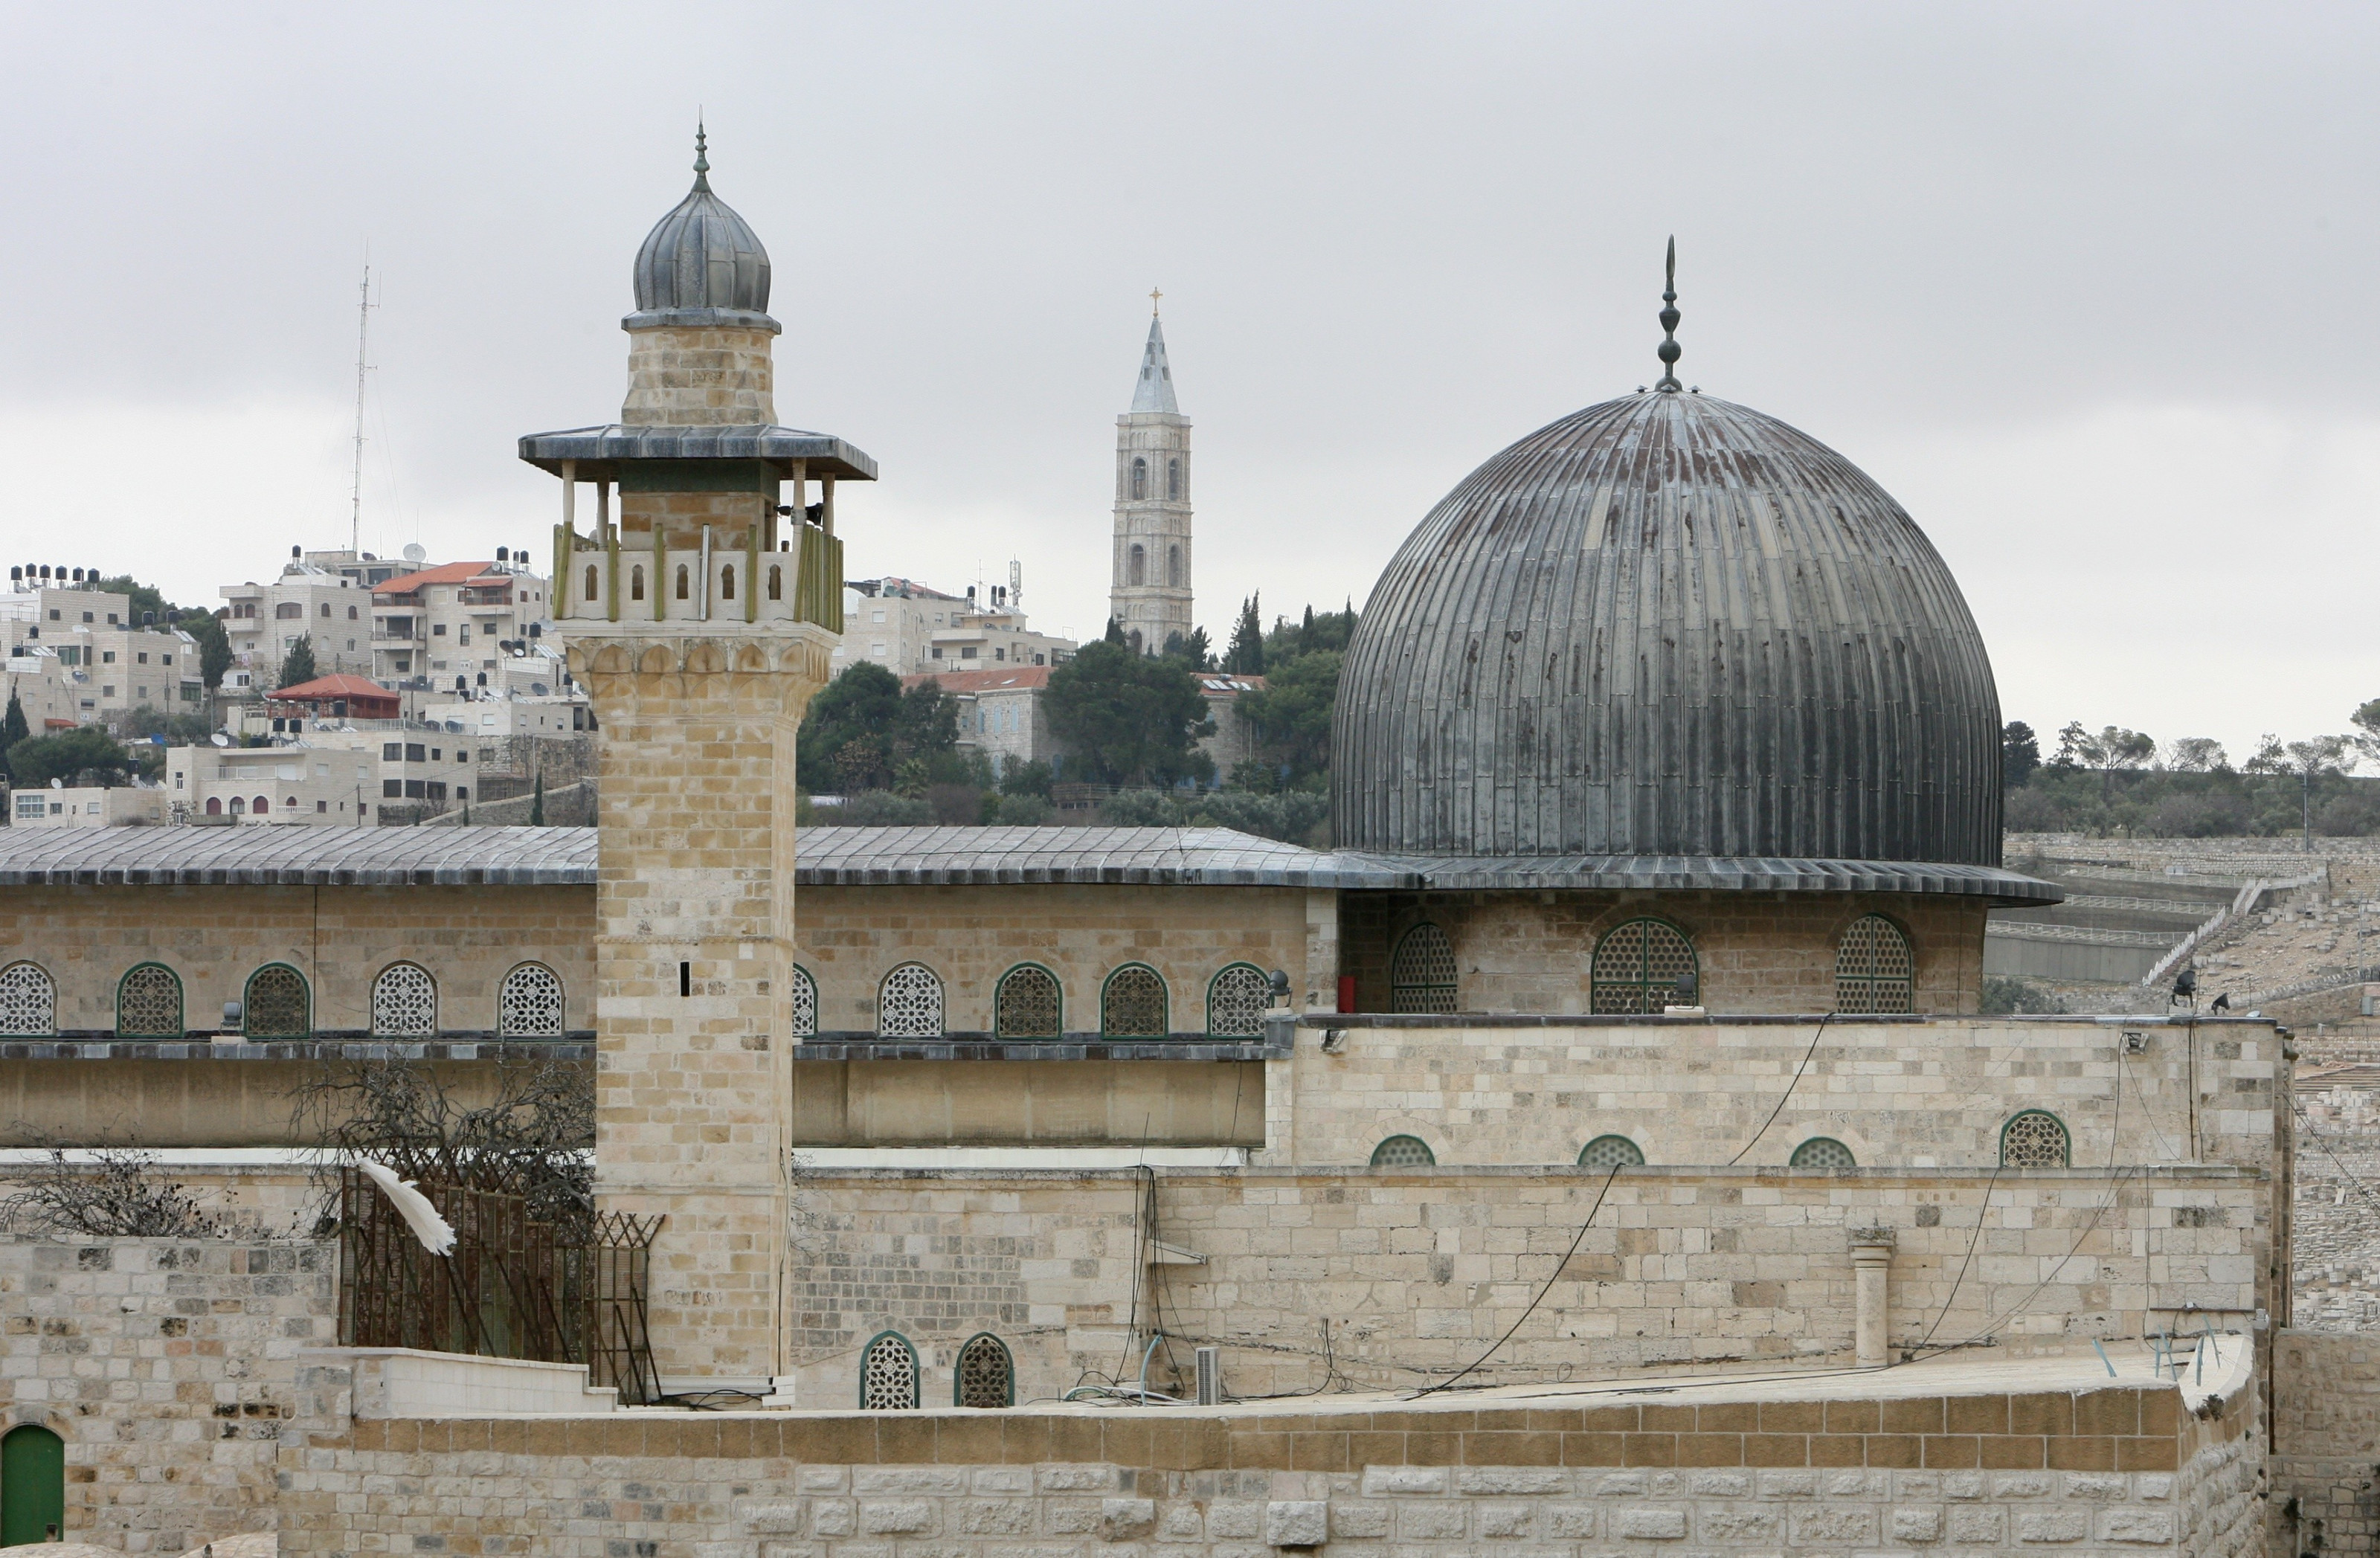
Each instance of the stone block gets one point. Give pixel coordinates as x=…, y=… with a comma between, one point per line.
x=1382, y=1480
x=1236, y=1519
x=1432, y=1522
x=781, y=1518
x=896, y=1518
x=2136, y=1526
x=1297, y=1522
x=1834, y=1526
x=1569, y=1522
x=833, y=1517
x=1650, y=1524
x=1126, y=1519
x=1916, y=1525
x=2052, y=1524
x=1476, y=1481
x=1749, y=1524
x=1352, y=1521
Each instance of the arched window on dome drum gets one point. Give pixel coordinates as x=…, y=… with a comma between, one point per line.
x=276, y=1004
x=404, y=1003
x=1173, y=479
x=529, y=1004
x=776, y=582
x=802, y=991
x=986, y=1375
x=1821, y=1152
x=1610, y=1153
x=1642, y=965
x=1135, y=564
x=909, y=1004
x=1139, y=477
x=1028, y=1002
x=2035, y=1138
x=590, y=581
x=1403, y=1151
x=1237, y=999
x=149, y=1003
x=1173, y=566
x=1132, y=1003
x=681, y=581
x=636, y=582
x=1422, y=974
x=888, y=1374
x=1875, y=971
x=28, y=1002
x=727, y=582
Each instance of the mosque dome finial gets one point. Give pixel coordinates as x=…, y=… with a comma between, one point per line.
x=1670, y=351
x=702, y=257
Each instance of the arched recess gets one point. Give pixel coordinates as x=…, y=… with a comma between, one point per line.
x=1132, y=1003
x=1139, y=477
x=1136, y=564
x=528, y=1003
x=1173, y=567
x=1609, y=1152
x=888, y=1374
x=1403, y=1151
x=1237, y=999
x=1874, y=970
x=1821, y=1152
x=909, y=1004
x=2035, y=1138
x=1422, y=974
x=33, y=1486
x=1028, y=1002
x=1174, y=478
x=590, y=581
x=404, y=1003
x=986, y=1375
x=276, y=1004
x=149, y=1003
x=28, y=1001
x=802, y=1000
x=1642, y=965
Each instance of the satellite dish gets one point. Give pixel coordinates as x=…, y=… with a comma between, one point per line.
x=220, y=739
x=414, y=552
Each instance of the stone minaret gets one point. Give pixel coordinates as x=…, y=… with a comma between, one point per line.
x=700, y=616
x=1151, y=593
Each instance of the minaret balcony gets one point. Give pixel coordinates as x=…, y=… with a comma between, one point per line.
x=726, y=583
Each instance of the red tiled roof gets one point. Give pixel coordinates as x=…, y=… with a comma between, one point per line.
x=445, y=573
x=336, y=686
x=996, y=679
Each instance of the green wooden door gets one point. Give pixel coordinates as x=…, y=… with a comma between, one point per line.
x=32, y=1485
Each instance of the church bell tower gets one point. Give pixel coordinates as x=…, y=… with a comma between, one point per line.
x=1151, y=596
x=700, y=615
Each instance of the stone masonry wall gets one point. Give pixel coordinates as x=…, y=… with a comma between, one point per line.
x=1379, y=1279
x=2099, y=1470
x=169, y=1368
x=2325, y=1461
x=1757, y=952
x=340, y=938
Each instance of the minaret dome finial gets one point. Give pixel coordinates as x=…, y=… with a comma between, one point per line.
x=1670, y=351
x=702, y=157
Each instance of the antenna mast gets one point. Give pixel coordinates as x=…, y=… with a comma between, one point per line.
x=355, y=492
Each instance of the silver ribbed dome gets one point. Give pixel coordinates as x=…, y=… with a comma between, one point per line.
x=1667, y=625
x=702, y=255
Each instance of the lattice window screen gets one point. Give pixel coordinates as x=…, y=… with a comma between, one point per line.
x=803, y=999
x=1236, y=1002
x=887, y=1376
x=987, y=1376
x=1875, y=970
x=1403, y=1151
x=1609, y=1152
x=1027, y=1005
x=405, y=1003
x=529, y=1003
x=2035, y=1140
x=1133, y=1005
x=29, y=1003
x=1422, y=974
x=276, y=1004
x=1823, y=1153
x=909, y=1006
x=1642, y=965
x=149, y=1004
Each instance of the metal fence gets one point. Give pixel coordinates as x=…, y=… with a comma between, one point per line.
x=513, y=1287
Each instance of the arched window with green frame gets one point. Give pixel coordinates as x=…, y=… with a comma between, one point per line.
x=1132, y=1003
x=28, y=1001
x=1422, y=973
x=2035, y=1138
x=986, y=1373
x=1028, y=1002
x=801, y=992
x=1403, y=1151
x=276, y=1004
x=1610, y=1153
x=149, y=1003
x=1821, y=1152
x=888, y=1374
x=1874, y=970
x=1642, y=965
x=1237, y=999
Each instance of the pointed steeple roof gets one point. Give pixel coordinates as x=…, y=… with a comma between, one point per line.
x=1155, y=390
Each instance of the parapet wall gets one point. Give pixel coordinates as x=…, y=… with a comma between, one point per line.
x=2325, y=1488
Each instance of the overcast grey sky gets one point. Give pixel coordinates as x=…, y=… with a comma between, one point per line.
x=2090, y=288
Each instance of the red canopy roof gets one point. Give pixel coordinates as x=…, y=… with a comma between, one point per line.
x=362, y=697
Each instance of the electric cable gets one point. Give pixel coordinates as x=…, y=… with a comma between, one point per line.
x=1982, y=1213
x=1576, y=1240
x=1788, y=1094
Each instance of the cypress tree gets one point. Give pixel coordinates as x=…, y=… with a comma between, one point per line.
x=536, y=802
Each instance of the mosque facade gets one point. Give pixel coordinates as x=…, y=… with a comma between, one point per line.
x=1629, y=1040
